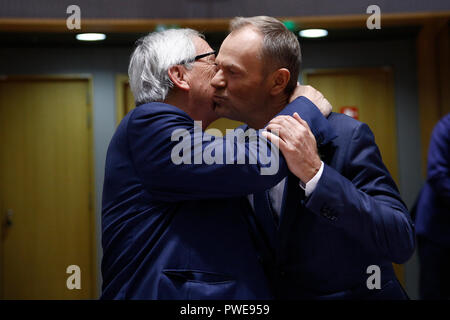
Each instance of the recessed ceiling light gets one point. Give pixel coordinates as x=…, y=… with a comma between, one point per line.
x=313, y=33
x=91, y=36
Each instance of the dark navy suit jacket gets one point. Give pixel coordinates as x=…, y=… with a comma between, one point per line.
x=433, y=207
x=355, y=218
x=180, y=231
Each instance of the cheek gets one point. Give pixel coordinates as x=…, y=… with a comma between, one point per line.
x=239, y=91
x=206, y=77
x=208, y=73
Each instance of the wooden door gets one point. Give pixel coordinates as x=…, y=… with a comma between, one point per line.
x=46, y=188
x=371, y=93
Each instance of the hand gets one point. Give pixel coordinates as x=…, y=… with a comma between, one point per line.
x=297, y=143
x=315, y=96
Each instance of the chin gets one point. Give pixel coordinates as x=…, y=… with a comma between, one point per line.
x=220, y=111
x=212, y=119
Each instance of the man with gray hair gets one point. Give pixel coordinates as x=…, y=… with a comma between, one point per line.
x=182, y=231
x=334, y=226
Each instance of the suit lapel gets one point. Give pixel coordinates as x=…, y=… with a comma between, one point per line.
x=283, y=201
x=265, y=216
x=257, y=233
x=292, y=206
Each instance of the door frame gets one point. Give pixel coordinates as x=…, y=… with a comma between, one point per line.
x=121, y=81
x=91, y=192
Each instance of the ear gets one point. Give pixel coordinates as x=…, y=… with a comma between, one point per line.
x=280, y=79
x=177, y=74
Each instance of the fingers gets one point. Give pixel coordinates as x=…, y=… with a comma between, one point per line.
x=284, y=120
x=290, y=136
x=305, y=124
x=291, y=123
x=274, y=139
x=298, y=91
x=280, y=131
x=315, y=96
x=329, y=107
x=301, y=121
x=286, y=127
x=318, y=99
x=292, y=130
x=274, y=128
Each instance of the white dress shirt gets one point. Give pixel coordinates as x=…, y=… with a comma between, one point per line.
x=276, y=192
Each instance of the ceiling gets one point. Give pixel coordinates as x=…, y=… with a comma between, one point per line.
x=67, y=39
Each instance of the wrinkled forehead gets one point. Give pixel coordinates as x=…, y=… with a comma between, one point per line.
x=242, y=47
x=201, y=46
x=247, y=38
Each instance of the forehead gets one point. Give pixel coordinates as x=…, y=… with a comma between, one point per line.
x=242, y=47
x=201, y=46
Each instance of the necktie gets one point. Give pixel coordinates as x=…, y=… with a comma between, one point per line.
x=266, y=216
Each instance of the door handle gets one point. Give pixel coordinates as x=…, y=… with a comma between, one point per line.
x=9, y=217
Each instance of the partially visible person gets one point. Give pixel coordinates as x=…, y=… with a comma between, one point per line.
x=181, y=230
x=433, y=217
x=336, y=216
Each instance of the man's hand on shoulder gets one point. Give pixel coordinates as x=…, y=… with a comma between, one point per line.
x=314, y=95
x=297, y=143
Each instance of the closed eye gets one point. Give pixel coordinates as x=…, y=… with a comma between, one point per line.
x=231, y=71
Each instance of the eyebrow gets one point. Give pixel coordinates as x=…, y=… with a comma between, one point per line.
x=231, y=66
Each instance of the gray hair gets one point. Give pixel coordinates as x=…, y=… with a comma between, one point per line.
x=153, y=56
x=280, y=46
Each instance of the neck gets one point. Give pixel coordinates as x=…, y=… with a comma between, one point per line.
x=271, y=110
x=178, y=101
x=183, y=102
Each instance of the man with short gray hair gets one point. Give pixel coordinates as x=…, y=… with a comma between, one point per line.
x=335, y=225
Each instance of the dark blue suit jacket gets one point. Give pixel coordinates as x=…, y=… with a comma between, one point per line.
x=355, y=218
x=179, y=231
x=433, y=206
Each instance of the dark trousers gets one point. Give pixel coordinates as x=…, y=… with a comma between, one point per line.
x=434, y=270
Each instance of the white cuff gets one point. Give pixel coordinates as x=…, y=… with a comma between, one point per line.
x=311, y=184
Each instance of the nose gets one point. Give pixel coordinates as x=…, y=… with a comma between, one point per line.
x=218, y=81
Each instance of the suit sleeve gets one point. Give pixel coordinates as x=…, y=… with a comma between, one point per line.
x=365, y=203
x=176, y=161
x=439, y=161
